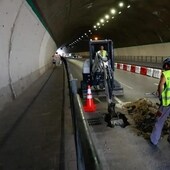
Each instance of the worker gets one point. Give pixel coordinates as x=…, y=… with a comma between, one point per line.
x=103, y=53
x=164, y=108
x=56, y=59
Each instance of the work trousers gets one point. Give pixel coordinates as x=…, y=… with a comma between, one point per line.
x=160, y=120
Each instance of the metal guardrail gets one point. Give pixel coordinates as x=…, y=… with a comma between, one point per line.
x=87, y=157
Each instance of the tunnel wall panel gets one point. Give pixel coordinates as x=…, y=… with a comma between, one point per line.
x=145, y=50
x=25, y=47
x=162, y=49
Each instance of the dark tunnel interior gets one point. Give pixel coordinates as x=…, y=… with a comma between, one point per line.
x=135, y=22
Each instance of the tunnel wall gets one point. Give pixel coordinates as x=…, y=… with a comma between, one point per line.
x=162, y=49
x=25, y=48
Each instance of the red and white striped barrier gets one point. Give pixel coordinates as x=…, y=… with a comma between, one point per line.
x=118, y=66
x=143, y=70
x=115, y=65
x=125, y=67
x=157, y=73
x=137, y=69
x=128, y=67
x=121, y=66
x=133, y=68
x=151, y=72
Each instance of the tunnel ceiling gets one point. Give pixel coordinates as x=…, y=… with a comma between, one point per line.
x=145, y=22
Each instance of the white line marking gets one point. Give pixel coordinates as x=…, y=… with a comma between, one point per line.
x=97, y=99
x=126, y=85
x=118, y=100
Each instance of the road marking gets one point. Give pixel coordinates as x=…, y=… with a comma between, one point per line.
x=156, y=84
x=97, y=99
x=118, y=100
x=126, y=86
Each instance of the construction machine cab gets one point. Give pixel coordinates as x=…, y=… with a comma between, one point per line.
x=99, y=74
x=94, y=47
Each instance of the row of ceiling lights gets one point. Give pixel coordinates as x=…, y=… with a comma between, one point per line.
x=101, y=22
x=81, y=37
x=111, y=15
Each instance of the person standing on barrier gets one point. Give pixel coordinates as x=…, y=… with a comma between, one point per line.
x=164, y=108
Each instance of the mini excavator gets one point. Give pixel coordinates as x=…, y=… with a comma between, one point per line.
x=99, y=74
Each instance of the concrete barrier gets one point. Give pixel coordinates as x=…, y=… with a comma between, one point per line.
x=125, y=67
x=143, y=70
x=137, y=69
x=121, y=66
x=157, y=73
x=133, y=68
x=128, y=67
x=115, y=65
x=149, y=72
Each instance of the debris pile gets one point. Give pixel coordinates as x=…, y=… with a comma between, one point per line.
x=143, y=113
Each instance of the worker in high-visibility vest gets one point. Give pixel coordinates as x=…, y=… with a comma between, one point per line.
x=102, y=53
x=164, y=109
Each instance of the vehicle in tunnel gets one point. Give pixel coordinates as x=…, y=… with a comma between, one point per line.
x=99, y=72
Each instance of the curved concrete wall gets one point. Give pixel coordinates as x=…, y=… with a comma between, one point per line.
x=143, y=50
x=162, y=49
x=25, y=48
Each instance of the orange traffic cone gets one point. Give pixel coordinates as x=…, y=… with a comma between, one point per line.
x=90, y=106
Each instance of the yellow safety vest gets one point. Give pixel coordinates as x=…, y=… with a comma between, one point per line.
x=166, y=92
x=103, y=53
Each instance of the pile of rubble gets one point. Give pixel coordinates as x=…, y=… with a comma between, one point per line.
x=143, y=113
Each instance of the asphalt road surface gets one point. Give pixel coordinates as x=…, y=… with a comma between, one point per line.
x=121, y=148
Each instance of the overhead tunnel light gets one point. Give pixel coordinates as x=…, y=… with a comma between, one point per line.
x=121, y=4
x=102, y=20
x=107, y=16
x=113, y=11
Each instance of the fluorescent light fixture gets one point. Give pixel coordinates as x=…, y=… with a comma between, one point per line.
x=102, y=20
x=121, y=4
x=107, y=16
x=113, y=11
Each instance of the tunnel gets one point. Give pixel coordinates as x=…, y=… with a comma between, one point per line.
x=32, y=31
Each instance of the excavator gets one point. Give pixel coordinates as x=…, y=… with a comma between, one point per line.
x=99, y=74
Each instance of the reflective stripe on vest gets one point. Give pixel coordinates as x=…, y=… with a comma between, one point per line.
x=166, y=92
